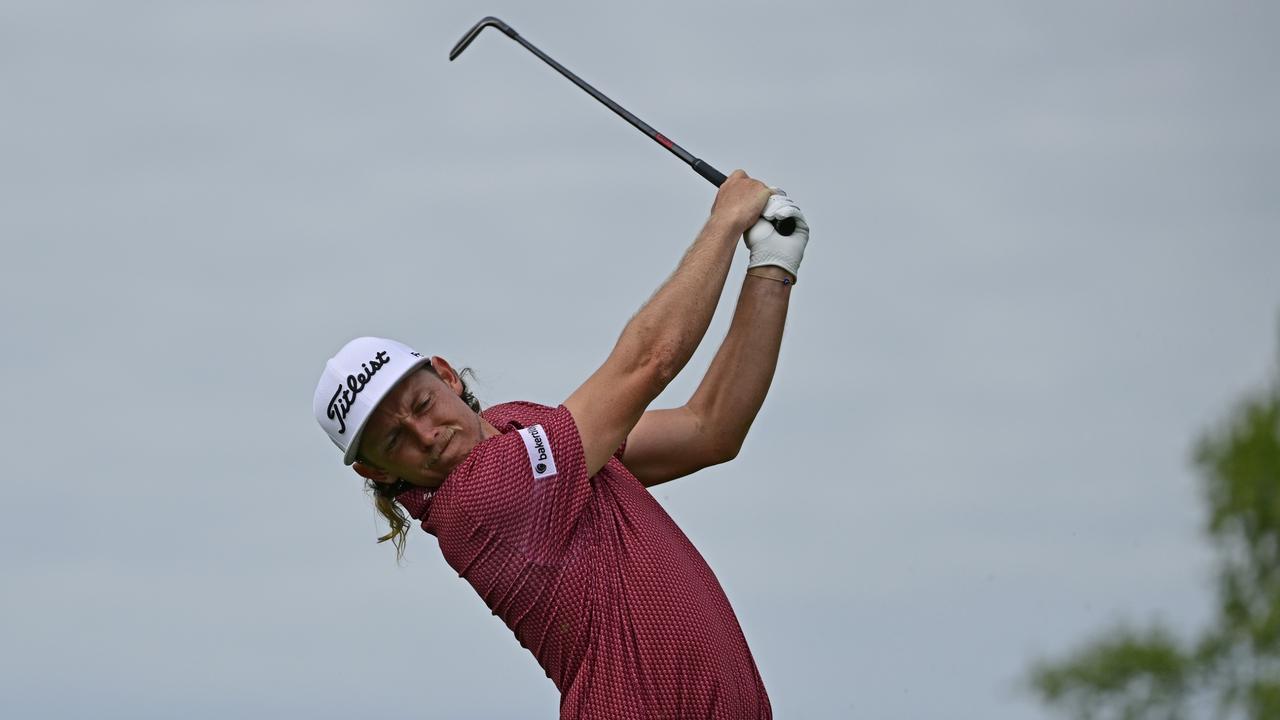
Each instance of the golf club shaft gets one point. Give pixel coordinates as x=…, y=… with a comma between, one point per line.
x=716, y=177
x=784, y=226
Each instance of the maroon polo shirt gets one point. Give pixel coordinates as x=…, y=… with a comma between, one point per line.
x=592, y=576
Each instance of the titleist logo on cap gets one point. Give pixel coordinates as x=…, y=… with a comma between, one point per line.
x=344, y=397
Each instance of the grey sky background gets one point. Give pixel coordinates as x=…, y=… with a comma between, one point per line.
x=1044, y=259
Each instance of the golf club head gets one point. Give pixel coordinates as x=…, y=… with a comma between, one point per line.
x=475, y=30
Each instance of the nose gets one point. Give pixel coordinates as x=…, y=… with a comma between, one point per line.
x=426, y=433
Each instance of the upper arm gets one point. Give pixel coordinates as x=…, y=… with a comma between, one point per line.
x=609, y=404
x=667, y=444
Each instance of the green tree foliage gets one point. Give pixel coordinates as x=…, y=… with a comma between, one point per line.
x=1232, y=669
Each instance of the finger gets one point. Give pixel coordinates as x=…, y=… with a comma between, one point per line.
x=775, y=206
x=761, y=230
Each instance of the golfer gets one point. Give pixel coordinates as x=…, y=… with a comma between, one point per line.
x=544, y=511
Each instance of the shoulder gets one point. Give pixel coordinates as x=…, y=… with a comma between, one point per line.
x=508, y=478
x=518, y=414
x=534, y=424
x=518, y=423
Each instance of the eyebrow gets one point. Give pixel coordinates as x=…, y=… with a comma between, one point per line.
x=395, y=431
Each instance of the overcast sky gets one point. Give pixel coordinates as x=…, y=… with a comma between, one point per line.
x=1045, y=256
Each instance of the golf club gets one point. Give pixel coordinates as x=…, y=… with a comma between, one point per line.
x=784, y=226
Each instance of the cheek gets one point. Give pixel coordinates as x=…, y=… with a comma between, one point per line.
x=405, y=458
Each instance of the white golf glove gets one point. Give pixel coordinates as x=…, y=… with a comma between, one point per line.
x=767, y=246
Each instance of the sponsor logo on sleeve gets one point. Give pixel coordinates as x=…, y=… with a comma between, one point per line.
x=541, y=462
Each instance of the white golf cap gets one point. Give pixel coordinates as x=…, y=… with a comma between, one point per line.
x=354, y=382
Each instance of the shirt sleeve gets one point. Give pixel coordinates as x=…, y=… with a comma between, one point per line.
x=529, y=487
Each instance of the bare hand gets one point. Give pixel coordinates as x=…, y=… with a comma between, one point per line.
x=740, y=201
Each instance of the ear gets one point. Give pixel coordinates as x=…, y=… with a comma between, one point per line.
x=447, y=374
x=370, y=472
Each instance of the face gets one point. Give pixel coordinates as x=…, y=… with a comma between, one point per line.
x=422, y=429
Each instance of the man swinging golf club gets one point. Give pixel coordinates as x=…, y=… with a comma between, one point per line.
x=544, y=511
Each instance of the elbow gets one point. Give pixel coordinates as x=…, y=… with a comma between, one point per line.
x=717, y=444
x=661, y=364
x=723, y=451
x=653, y=352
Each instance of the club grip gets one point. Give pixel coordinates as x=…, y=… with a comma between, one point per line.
x=716, y=177
x=784, y=226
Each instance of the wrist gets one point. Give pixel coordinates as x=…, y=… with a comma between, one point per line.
x=772, y=272
x=732, y=227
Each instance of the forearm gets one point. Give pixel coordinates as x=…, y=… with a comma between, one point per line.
x=731, y=393
x=670, y=326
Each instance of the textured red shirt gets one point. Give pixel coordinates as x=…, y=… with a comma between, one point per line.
x=591, y=575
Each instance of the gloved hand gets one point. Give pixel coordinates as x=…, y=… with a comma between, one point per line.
x=767, y=246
